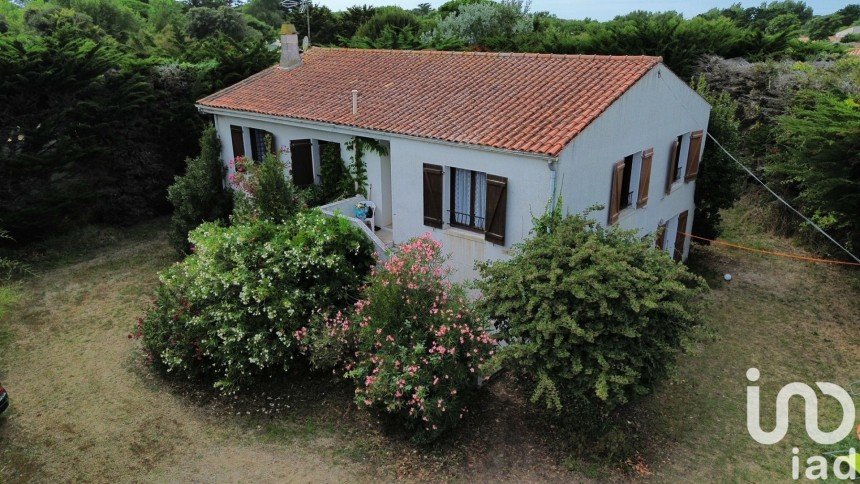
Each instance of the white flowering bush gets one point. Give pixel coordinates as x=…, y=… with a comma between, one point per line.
x=232, y=309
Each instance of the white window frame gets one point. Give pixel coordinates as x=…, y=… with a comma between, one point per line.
x=683, y=157
x=635, y=175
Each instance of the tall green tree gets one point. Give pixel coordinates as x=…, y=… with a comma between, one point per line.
x=200, y=195
x=821, y=161
x=719, y=179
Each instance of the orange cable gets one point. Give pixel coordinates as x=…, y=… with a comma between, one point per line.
x=770, y=252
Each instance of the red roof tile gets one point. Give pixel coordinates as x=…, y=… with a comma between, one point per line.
x=534, y=103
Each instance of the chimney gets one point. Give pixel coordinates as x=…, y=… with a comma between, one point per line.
x=290, y=57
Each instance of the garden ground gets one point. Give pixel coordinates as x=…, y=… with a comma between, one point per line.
x=85, y=406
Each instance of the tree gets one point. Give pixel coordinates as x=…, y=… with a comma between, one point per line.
x=486, y=24
x=199, y=195
x=593, y=316
x=83, y=149
x=821, y=163
x=205, y=22
x=118, y=20
x=719, y=177
x=397, y=19
x=423, y=9
x=324, y=25
x=266, y=11
x=352, y=18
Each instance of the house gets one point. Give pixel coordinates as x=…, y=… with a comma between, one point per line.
x=479, y=143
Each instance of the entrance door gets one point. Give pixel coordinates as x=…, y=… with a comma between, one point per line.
x=303, y=163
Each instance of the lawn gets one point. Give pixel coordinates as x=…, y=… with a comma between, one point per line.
x=85, y=406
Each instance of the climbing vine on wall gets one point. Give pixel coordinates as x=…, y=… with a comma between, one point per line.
x=359, y=146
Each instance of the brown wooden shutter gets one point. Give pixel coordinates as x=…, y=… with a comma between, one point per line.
x=673, y=165
x=680, y=236
x=661, y=236
x=645, y=177
x=497, y=209
x=238, y=141
x=433, y=196
x=615, y=191
x=694, y=155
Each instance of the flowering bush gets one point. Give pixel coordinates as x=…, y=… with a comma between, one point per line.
x=233, y=307
x=418, y=347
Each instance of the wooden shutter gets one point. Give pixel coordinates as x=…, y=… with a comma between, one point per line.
x=497, y=209
x=694, y=155
x=615, y=191
x=680, y=237
x=645, y=177
x=433, y=196
x=238, y=141
x=661, y=236
x=673, y=165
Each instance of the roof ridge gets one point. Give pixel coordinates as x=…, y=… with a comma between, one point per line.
x=488, y=54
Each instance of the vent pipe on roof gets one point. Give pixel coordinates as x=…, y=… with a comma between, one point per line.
x=355, y=101
x=290, y=57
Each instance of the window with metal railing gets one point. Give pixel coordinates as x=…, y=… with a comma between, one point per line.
x=468, y=199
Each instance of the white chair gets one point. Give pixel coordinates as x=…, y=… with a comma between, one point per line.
x=372, y=217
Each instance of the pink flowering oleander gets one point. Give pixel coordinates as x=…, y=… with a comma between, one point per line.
x=417, y=340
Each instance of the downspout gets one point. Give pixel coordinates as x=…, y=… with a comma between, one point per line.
x=552, y=164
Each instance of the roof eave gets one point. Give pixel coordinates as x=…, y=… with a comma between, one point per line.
x=358, y=131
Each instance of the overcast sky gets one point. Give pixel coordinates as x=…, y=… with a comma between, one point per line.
x=604, y=9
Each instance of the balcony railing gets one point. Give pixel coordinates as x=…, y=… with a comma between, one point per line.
x=344, y=208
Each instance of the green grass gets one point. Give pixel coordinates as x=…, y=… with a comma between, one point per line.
x=10, y=293
x=87, y=407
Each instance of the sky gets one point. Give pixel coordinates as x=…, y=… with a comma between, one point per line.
x=605, y=9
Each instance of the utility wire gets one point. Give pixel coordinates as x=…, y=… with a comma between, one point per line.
x=762, y=183
x=771, y=252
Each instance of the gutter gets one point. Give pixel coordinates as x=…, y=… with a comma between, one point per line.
x=355, y=131
x=552, y=164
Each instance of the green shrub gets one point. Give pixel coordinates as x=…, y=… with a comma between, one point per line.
x=819, y=161
x=263, y=192
x=231, y=309
x=393, y=17
x=416, y=348
x=336, y=181
x=718, y=181
x=199, y=195
x=593, y=316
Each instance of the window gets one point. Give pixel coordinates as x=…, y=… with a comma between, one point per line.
x=626, y=192
x=478, y=201
x=468, y=199
x=262, y=143
x=238, y=141
x=679, y=166
x=631, y=178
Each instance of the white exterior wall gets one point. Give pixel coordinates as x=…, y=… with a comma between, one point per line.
x=651, y=114
x=283, y=134
x=527, y=195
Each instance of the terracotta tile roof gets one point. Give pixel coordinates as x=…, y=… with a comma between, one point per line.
x=534, y=103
